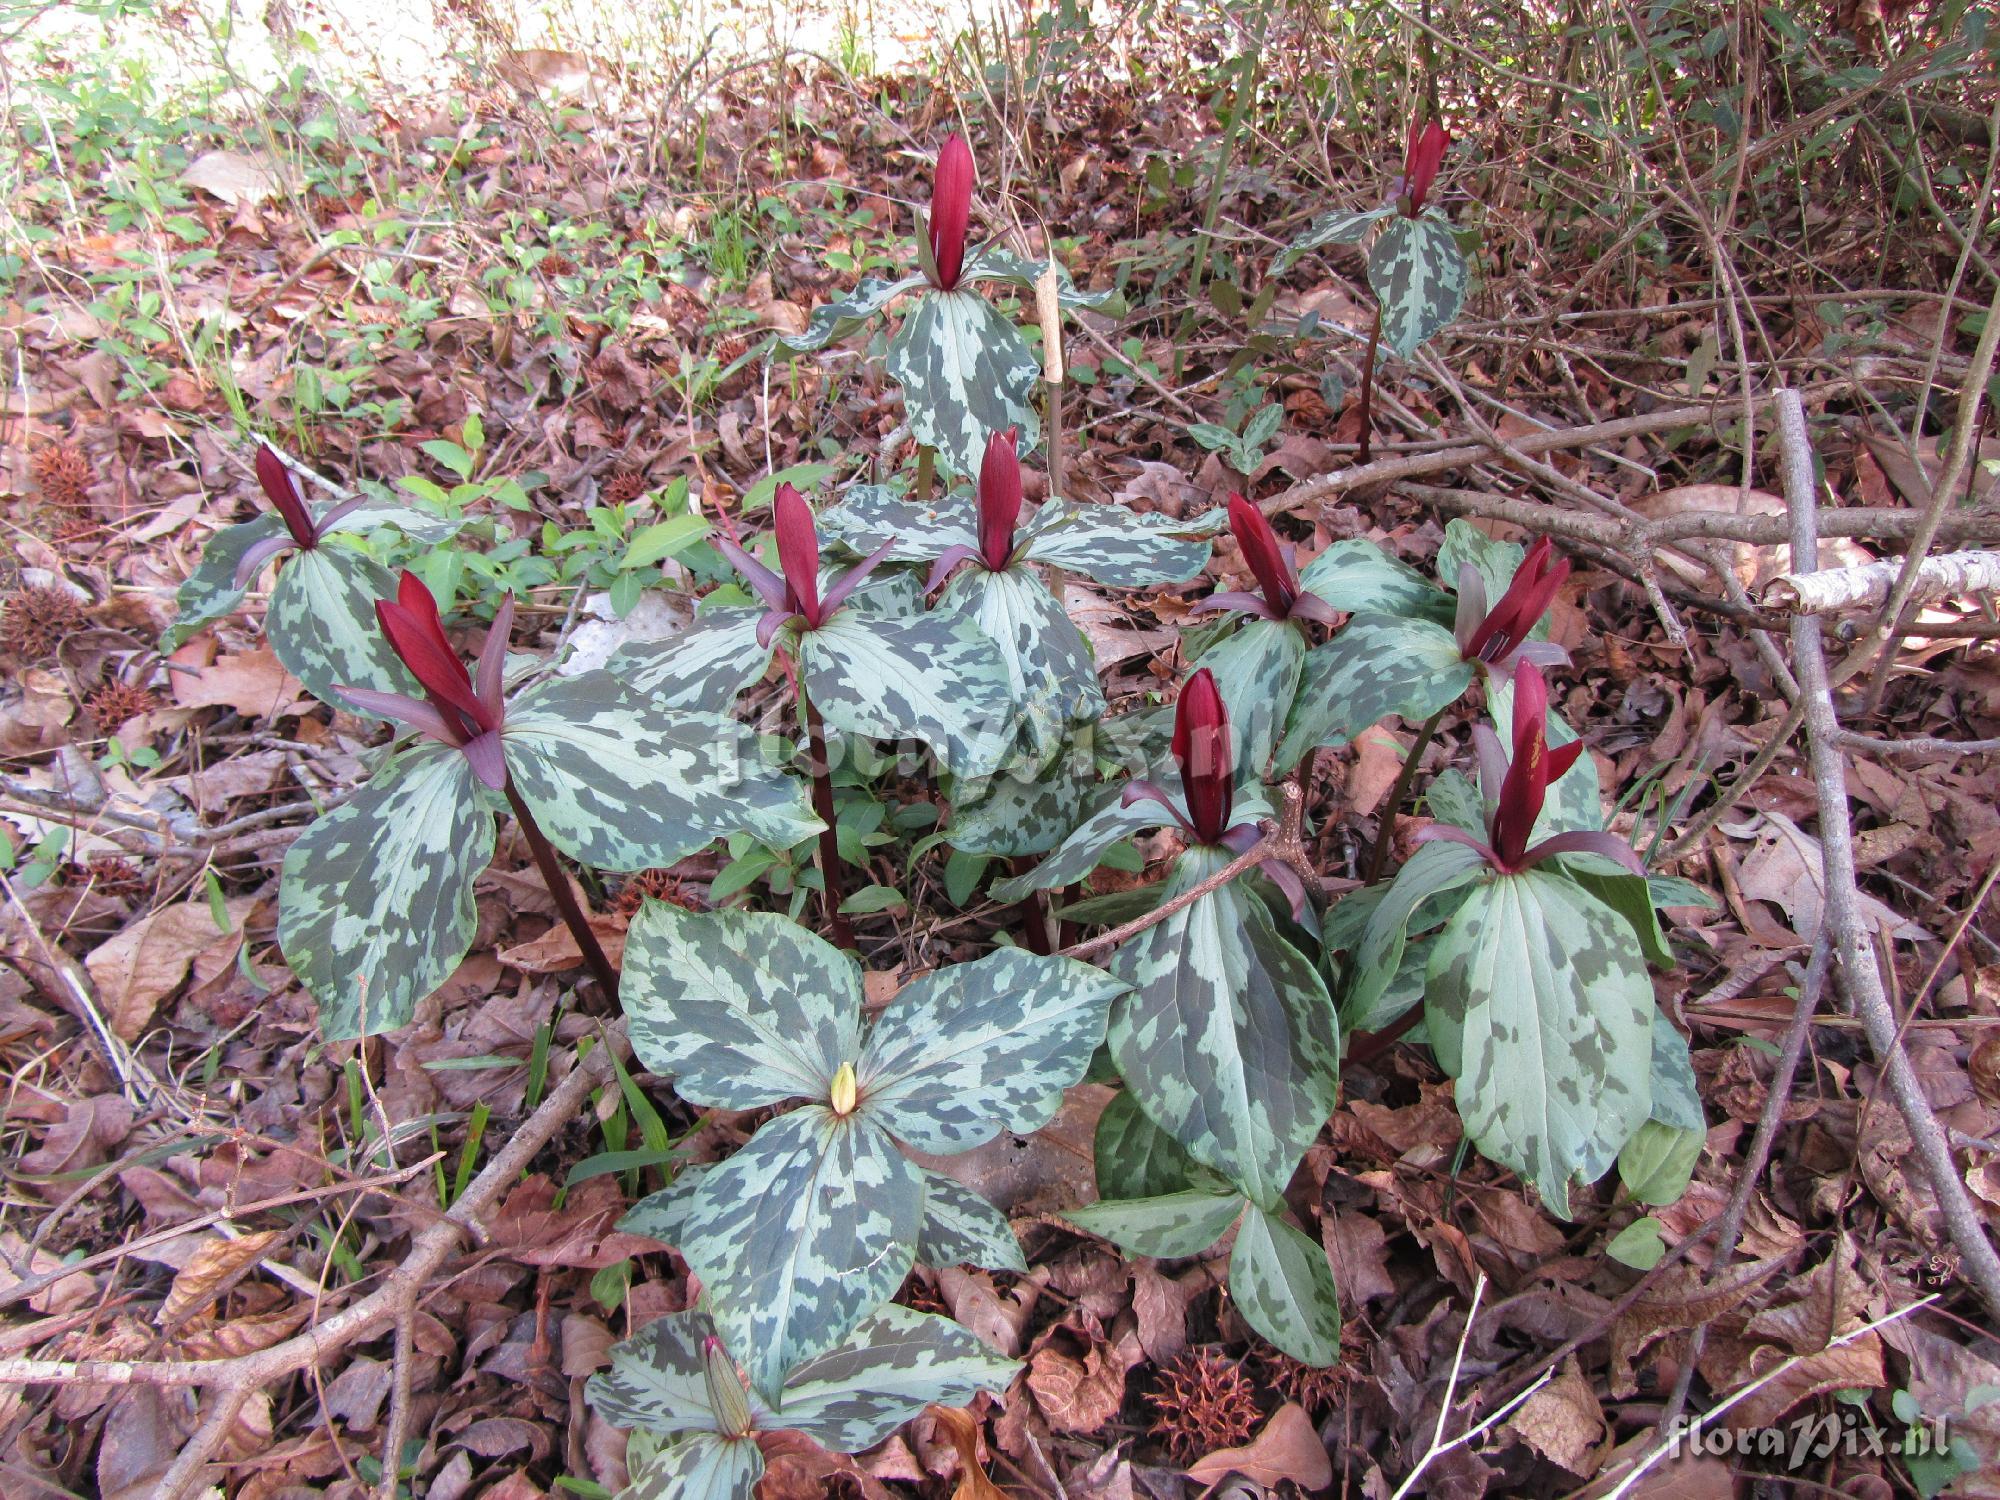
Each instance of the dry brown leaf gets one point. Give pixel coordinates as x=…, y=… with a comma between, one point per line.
x=1077, y=1394
x=1851, y=1366
x=146, y=962
x=234, y=177
x=1357, y=1246
x=254, y=683
x=1564, y=1423
x=57, y=1296
x=1289, y=1447
x=240, y=1335
x=1378, y=761
x=962, y=1428
x=1785, y=869
x=215, y=1267
x=141, y=1437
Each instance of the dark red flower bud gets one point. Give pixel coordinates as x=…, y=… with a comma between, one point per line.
x=411, y=623
x=798, y=553
x=284, y=497
x=999, y=498
x=1266, y=556
x=1506, y=626
x=1529, y=773
x=1421, y=160
x=951, y=209
x=1201, y=746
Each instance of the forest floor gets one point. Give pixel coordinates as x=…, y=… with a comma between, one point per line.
x=590, y=249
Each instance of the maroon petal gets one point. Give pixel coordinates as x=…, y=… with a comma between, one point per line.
x=1286, y=879
x=950, y=558
x=844, y=587
x=283, y=494
x=999, y=498
x=400, y=708
x=1141, y=790
x=1201, y=745
x=1237, y=600
x=1451, y=833
x=951, y=210
x=1471, y=612
x=1587, y=842
x=251, y=563
x=493, y=662
x=798, y=552
x=1421, y=160
x=1262, y=552
x=765, y=584
x=770, y=623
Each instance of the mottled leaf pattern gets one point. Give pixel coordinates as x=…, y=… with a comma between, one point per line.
x=1337, y=226
x=800, y=1235
x=896, y=1363
x=706, y=1466
x=1494, y=561
x=622, y=783
x=703, y=668
x=836, y=320
x=929, y=678
x=996, y=264
x=963, y=1229
x=1433, y=870
x=662, y=1216
x=375, y=904
x=1134, y=1158
x=1378, y=665
x=966, y=374
x=414, y=522
x=1284, y=1285
x=1539, y=1006
x=1676, y=1099
x=1419, y=275
x=740, y=1009
x=1120, y=548
x=656, y=1380
x=1019, y=809
x=1362, y=579
x=918, y=531
x=210, y=592
x=1050, y=670
x=1172, y=1226
x=321, y=622
x=975, y=1048
x=1257, y=668
x=1079, y=853
x=1228, y=1039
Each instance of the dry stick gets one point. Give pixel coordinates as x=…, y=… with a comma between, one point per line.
x=234, y=1379
x=1861, y=979
x=565, y=896
x=1790, y=1049
x=829, y=835
x=1281, y=841
x=1368, y=385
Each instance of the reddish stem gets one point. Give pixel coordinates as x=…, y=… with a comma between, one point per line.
x=565, y=898
x=1368, y=385
x=829, y=839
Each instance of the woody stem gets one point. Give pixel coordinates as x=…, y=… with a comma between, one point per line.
x=1386, y=834
x=565, y=897
x=829, y=838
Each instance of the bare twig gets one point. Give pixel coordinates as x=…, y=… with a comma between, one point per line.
x=1861, y=979
x=1826, y=591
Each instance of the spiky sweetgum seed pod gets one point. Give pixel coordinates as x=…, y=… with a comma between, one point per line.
x=1314, y=1388
x=624, y=487
x=112, y=703
x=1205, y=1402
x=36, y=618
x=64, y=475
x=658, y=885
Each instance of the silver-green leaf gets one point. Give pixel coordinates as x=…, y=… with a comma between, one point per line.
x=1257, y=668
x=962, y=1229
x=1360, y=578
x=1378, y=665
x=210, y=592
x=1337, y=226
x=321, y=622
x=895, y=1364
x=966, y=374
x=1121, y=549
x=703, y=668
x=1172, y=1226
x=1284, y=1285
x=836, y=320
x=1419, y=275
x=375, y=903
x=993, y=263
x=1050, y=670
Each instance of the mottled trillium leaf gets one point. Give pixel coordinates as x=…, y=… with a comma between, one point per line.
x=1453, y=799
x=1134, y=1158
x=412, y=521
x=1338, y=226
x=321, y=622
x=704, y=1466
x=1378, y=665
x=1020, y=809
x=740, y=1009
x=703, y=668
x=1085, y=847
x=1172, y=1226
x=1050, y=671
x=1119, y=548
x=663, y=1215
x=1434, y=870
x=1360, y=578
x=1626, y=894
x=976, y=1048
x=210, y=592
x=375, y=904
x=1676, y=1098
x=962, y=1229
x=800, y=1235
x=836, y=320
x=621, y=782
x=1228, y=1039
x=966, y=373
x=917, y=531
x=894, y=1364
x=1419, y=275
x=1494, y=561
x=1257, y=668
x=929, y=678
x=1539, y=1006
x=996, y=264
x=656, y=1382
x=1283, y=1284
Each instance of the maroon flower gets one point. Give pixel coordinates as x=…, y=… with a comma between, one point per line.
x=1499, y=637
x=951, y=209
x=796, y=595
x=1522, y=784
x=1421, y=160
x=999, y=498
x=1271, y=561
x=455, y=709
x=302, y=532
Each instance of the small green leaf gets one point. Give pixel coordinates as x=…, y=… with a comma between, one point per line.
x=1638, y=1244
x=450, y=455
x=663, y=539
x=873, y=898
x=1172, y=1226
x=1284, y=1285
x=1659, y=1161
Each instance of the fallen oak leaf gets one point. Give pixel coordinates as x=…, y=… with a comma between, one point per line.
x=962, y=1428
x=1289, y=1447
x=145, y=963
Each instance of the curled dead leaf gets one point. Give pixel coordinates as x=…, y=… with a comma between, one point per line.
x=215, y=1267
x=1289, y=1447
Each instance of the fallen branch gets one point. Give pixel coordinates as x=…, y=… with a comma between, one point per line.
x=232, y=1381
x=1868, y=587
x=1860, y=977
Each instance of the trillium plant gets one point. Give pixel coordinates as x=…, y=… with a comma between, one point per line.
x=929, y=711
